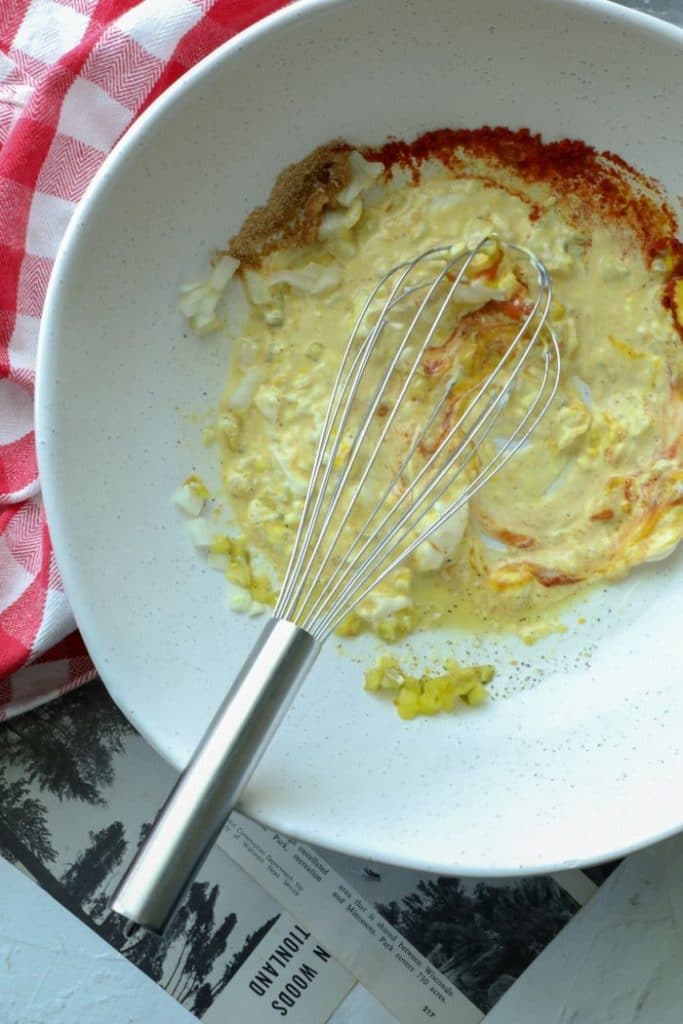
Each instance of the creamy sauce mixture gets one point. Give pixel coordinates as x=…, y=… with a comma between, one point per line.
x=597, y=489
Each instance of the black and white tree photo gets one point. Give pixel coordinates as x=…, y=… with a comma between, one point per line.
x=481, y=935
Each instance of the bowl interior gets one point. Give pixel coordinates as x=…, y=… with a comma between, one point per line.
x=576, y=769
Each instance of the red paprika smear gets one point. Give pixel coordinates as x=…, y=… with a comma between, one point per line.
x=595, y=182
x=673, y=250
x=552, y=577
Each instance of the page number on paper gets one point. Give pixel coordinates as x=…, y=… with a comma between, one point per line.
x=428, y=1012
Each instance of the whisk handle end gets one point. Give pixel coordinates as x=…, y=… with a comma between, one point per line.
x=210, y=786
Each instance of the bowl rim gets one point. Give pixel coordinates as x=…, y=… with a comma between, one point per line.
x=45, y=364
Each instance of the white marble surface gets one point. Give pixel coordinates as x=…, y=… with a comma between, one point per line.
x=55, y=970
x=619, y=959
x=670, y=10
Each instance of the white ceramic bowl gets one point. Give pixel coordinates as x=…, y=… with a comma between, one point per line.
x=579, y=768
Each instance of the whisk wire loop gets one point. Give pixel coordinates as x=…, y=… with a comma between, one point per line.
x=351, y=595
x=469, y=445
x=369, y=415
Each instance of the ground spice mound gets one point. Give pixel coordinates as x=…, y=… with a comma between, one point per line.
x=301, y=194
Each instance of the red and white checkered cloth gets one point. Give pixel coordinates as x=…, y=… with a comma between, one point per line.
x=74, y=74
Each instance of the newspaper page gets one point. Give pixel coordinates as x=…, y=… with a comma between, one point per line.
x=366, y=944
x=427, y=947
x=290, y=975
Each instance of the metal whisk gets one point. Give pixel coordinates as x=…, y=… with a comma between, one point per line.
x=401, y=354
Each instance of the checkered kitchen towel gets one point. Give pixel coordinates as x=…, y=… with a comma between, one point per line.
x=74, y=74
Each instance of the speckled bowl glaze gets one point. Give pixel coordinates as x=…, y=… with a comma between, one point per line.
x=580, y=757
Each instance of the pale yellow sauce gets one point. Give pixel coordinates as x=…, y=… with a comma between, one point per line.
x=589, y=497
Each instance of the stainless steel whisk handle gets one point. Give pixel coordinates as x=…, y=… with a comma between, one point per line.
x=208, y=789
